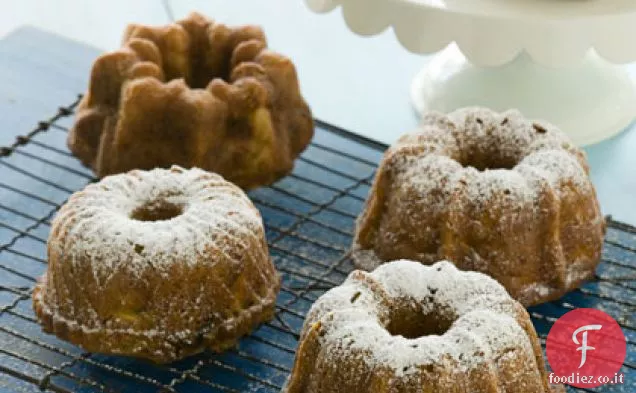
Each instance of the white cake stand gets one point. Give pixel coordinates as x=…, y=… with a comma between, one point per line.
x=552, y=59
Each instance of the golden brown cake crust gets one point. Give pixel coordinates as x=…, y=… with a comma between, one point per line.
x=410, y=328
x=158, y=265
x=491, y=192
x=196, y=94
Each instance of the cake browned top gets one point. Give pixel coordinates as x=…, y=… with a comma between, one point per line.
x=195, y=93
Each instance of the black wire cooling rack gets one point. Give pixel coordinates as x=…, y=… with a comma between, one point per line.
x=309, y=218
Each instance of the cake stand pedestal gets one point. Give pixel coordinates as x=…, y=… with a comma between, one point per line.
x=556, y=60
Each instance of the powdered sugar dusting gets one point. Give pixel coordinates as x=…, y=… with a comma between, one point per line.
x=559, y=168
x=354, y=320
x=155, y=264
x=490, y=185
x=455, y=188
x=106, y=233
x=506, y=139
x=435, y=162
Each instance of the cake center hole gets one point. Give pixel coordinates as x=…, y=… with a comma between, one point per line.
x=200, y=73
x=489, y=161
x=413, y=323
x=157, y=211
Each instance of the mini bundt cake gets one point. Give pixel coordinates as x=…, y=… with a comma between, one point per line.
x=196, y=94
x=491, y=192
x=410, y=328
x=157, y=265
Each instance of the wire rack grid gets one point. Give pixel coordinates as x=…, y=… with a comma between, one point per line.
x=309, y=218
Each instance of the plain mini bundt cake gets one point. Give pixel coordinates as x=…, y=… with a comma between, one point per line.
x=196, y=94
x=157, y=265
x=410, y=328
x=491, y=192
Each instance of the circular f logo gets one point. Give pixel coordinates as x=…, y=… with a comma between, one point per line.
x=584, y=347
x=587, y=347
